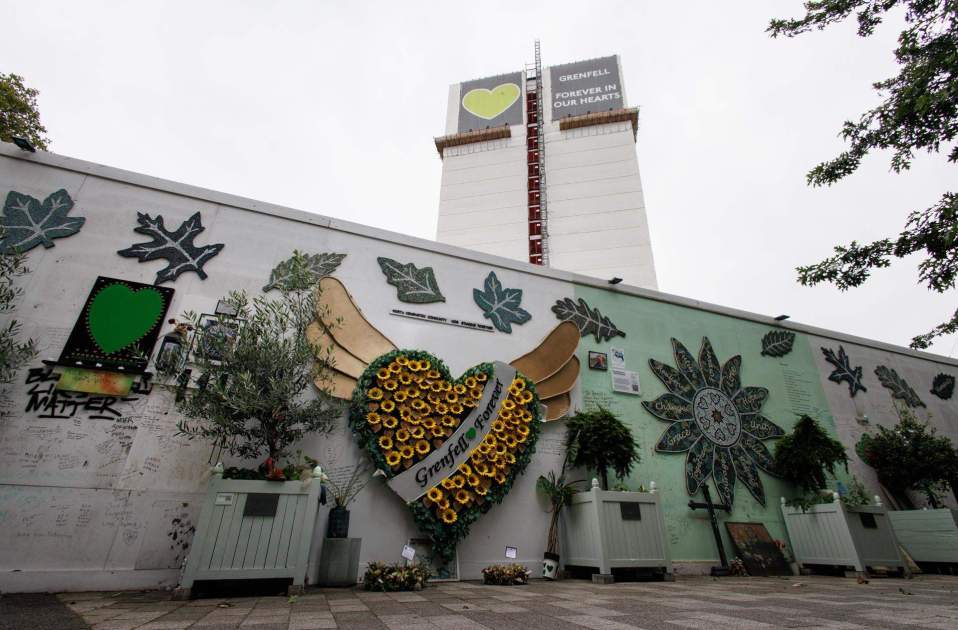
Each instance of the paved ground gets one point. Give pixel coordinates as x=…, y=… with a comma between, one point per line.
x=742, y=603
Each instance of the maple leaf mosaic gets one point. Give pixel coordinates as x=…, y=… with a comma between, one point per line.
x=715, y=420
x=176, y=247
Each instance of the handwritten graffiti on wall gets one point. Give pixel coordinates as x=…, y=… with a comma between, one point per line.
x=44, y=400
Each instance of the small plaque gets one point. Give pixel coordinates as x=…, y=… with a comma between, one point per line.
x=409, y=553
x=630, y=511
x=225, y=498
x=261, y=504
x=868, y=520
x=512, y=552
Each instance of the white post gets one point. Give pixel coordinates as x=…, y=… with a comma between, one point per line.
x=652, y=488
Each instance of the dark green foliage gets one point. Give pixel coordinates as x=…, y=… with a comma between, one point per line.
x=599, y=441
x=807, y=454
x=589, y=320
x=19, y=117
x=14, y=353
x=777, y=343
x=919, y=113
x=380, y=576
x=27, y=222
x=943, y=386
x=559, y=490
x=256, y=397
x=910, y=456
x=500, y=305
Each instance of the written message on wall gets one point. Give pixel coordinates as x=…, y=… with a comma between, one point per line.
x=586, y=87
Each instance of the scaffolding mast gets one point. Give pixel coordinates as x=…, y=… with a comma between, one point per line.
x=535, y=150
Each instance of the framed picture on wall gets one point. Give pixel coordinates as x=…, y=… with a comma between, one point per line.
x=598, y=361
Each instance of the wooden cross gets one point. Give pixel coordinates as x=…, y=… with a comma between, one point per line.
x=723, y=570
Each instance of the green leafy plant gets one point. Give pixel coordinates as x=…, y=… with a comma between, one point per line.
x=252, y=397
x=19, y=116
x=919, y=112
x=346, y=489
x=559, y=491
x=911, y=457
x=506, y=574
x=806, y=456
x=384, y=577
x=14, y=352
x=857, y=495
x=598, y=440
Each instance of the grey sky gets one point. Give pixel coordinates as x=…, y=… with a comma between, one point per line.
x=331, y=107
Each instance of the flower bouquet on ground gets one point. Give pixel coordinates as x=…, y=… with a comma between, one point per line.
x=380, y=576
x=506, y=574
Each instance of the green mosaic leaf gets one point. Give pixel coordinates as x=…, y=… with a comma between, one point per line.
x=175, y=246
x=777, y=343
x=844, y=371
x=899, y=389
x=500, y=305
x=588, y=320
x=291, y=274
x=27, y=222
x=414, y=285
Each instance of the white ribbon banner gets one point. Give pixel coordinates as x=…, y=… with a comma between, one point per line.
x=428, y=473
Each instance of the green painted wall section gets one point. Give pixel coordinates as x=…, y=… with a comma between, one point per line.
x=792, y=381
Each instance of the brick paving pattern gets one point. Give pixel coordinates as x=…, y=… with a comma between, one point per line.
x=691, y=602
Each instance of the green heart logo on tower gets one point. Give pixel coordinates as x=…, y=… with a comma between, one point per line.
x=119, y=316
x=488, y=104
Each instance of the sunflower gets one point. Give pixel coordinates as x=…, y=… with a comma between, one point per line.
x=463, y=496
x=470, y=381
x=481, y=377
x=402, y=360
x=418, y=405
x=481, y=490
x=405, y=378
x=459, y=480
x=476, y=393
x=389, y=422
x=509, y=458
x=436, y=387
x=498, y=426
x=417, y=432
x=459, y=388
x=395, y=368
x=491, y=440
x=402, y=435
x=422, y=447
x=435, y=495
x=393, y=458
x=511, y=441
x=465, y=469
x=424, y=364
x=448, y=483
x=448, y=516
x=500, y=477
x=437, y=431
x=400, y=396
x=387, y=405
x=441, y=408
x=474, y=480
x=385, y=442
x=428, y=423
x=451, y=397
x=373, y=418
x=444, y=504
x=433, y=374
x=526, y=397
x=514, y=389
x=406, y=451
x=508, y=405
x=374, y=393
x=448, y=421
x=523, y=431
x=716, y=420
x=455, y=408
x=390, y=384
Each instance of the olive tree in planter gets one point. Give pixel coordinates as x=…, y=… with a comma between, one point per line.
x=910, y=457
x=254, y=399
x=822, y=529
x=602, y=526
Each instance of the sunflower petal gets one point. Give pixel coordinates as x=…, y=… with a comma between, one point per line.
x=759, y=454
x=669, y=407
x=747, y=473
x=724, y=476
x=750, y=399
x=672, y=379
x=687, y=365
x=761, y=427
x=679, y=437
x=731, y=372
x=711, y=369
x=698, y=464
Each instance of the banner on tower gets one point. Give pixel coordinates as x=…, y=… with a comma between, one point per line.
x=490, y=102
x=585, y=87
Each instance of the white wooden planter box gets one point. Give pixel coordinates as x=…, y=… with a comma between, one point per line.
x=597, y=535
x=833, y=535
x=253, y=530
x=927, y=535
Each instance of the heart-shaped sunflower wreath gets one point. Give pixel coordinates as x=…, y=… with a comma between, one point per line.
x=450, y=448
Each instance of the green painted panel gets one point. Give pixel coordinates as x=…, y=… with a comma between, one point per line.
x=793, y=388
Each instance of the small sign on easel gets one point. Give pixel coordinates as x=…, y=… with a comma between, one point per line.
x=512, y=552
x=409, y=553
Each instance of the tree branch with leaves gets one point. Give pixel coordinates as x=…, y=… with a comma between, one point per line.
x=919, y=113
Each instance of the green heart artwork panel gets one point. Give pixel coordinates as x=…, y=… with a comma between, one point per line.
x=117, y=327
x=450, y=448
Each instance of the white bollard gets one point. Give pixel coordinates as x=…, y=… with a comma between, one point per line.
x=652, y=488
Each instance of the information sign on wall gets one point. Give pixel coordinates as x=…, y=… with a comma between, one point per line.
x=584, y=87
x=490, y=102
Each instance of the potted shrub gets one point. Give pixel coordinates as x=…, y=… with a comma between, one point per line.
x=822, y=529
x=253, y=399
x=558, y=490
x=339, y=562
x=602, y=525
x=910, y=457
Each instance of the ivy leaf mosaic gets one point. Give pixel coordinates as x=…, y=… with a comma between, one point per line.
x=943, y=386
x=777, y=343
x=27, y=222
x=844, y=371
x=499, y=305
x=715, y=420
x=417, y=286
x=589, y=320
x=899, y=389
x=284, y=275
x=176, y=247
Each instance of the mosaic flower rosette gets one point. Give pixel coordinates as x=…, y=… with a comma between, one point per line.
x=407, y=406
